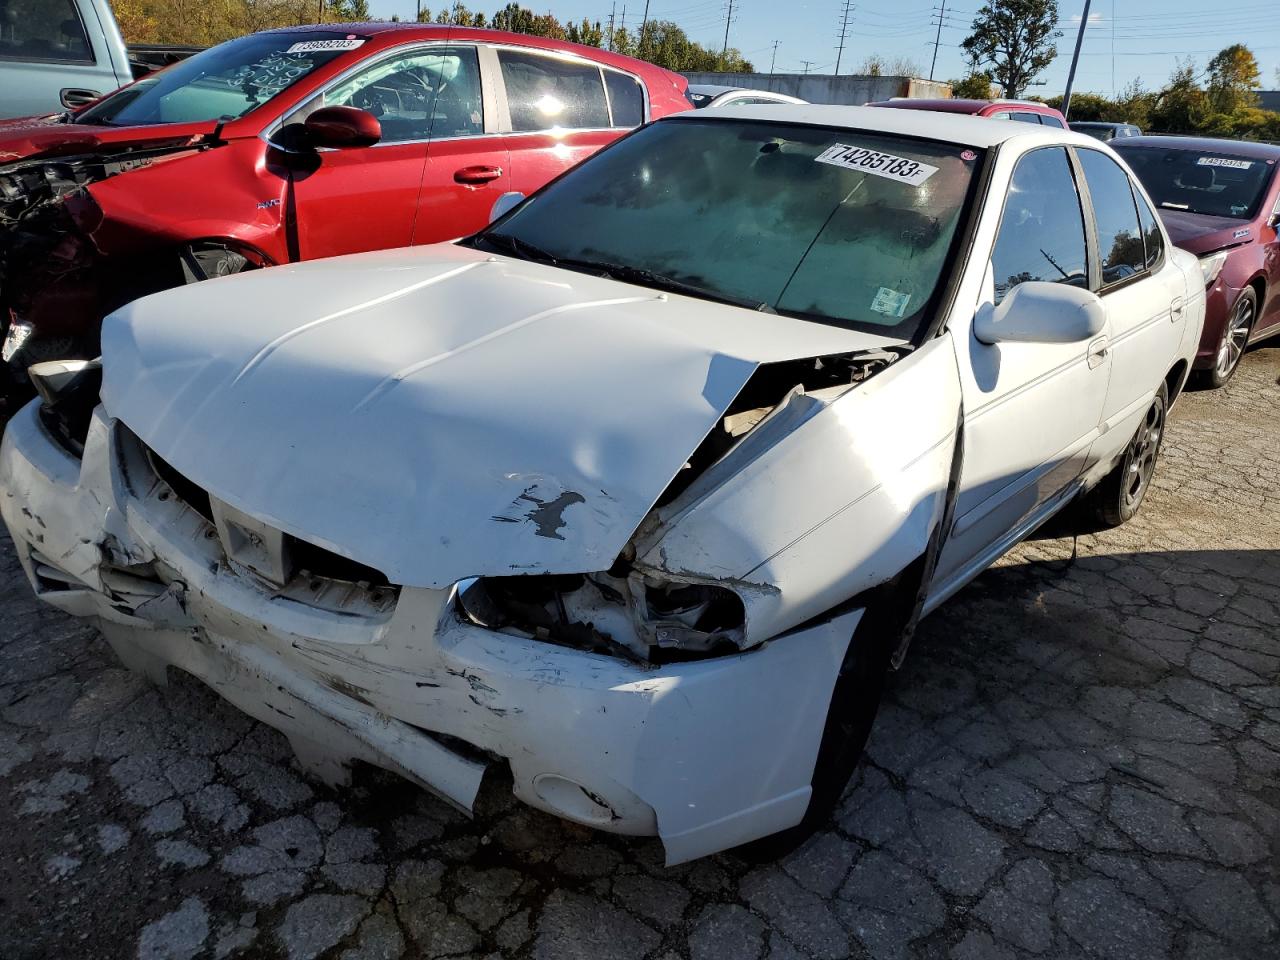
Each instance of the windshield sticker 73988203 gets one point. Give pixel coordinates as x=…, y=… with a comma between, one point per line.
x=904, y=170
x=319, y=46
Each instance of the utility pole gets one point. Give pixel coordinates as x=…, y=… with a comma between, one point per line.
x=844, y=30
x=773, y=59
x=1075, y=58
x=612, y=14
x=807, y=65
x=937, y=39
x=727, y=20
x=320, y=16
x=623, y=27
x=644, y=22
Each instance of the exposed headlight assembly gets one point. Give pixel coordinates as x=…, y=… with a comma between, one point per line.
x=1211, y=266
x=639, y=616
x=17, y=334
x=69, y=392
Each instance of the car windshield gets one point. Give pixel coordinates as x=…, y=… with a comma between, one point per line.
x=845, y=227
x=1200, y=181
x=224, y=82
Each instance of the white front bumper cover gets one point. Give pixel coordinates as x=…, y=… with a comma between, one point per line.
x=706, y=755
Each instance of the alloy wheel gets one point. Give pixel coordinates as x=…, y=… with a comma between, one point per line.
x=1143, y=449
x=1236, y=336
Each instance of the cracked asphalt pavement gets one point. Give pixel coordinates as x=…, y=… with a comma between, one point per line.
x=1077, y=760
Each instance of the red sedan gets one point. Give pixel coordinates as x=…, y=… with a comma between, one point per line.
x=290, y=145
x=1025, y=111
x=1220, y=199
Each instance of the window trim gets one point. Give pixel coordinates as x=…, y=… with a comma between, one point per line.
x=1091, y=229
x=91, y=59
x=504, y=119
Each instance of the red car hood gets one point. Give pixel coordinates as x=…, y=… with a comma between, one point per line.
x=32, y=138
x=1201, y=233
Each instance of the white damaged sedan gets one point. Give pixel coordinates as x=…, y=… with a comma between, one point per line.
x=639, y=492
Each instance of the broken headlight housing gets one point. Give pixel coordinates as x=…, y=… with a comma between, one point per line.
x=69, y=392
x=1211, y=265
x=626, y=613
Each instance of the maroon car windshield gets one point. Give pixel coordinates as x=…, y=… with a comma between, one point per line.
x=224, y=82
x=1198, y=181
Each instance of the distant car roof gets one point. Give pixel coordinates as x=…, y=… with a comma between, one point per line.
x=958, y=105
x=712, y=89
x=1239, y=148
x=949, y=128
x=1108, y=124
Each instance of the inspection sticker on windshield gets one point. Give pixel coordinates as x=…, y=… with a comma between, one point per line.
x=890, y=302
x=910, y=172
x=316, y=46
x=1224, y=162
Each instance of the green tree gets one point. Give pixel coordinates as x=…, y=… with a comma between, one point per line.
x=976, y=86
x=1014, y=38
x=1233, y=79
x=1181, y=106
x=348, y=11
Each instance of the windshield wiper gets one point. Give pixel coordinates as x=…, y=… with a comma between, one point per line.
x=509, y=243
x=647, y=278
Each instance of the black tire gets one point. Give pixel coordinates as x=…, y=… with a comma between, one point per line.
x=855, y=701
x=1235, y=338
x=1117, y=498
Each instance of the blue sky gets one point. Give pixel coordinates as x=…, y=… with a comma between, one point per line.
x=1126, y=39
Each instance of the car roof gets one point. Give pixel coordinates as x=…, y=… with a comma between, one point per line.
x=1099, y=123
x=947, y=127
x=960, y=104
x=1239, y=148
x=713, y=89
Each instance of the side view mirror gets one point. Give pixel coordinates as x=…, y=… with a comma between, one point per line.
x=1274, y=222
x=1041, y=312
x=341, y=127
x=505, y=204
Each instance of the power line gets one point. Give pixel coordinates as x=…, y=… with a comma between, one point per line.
x=844, y=31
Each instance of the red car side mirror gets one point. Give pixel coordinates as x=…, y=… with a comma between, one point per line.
x=340, y=127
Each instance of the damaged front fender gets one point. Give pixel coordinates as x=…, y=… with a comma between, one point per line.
x=821, y=502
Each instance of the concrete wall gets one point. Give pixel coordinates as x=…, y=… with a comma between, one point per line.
x=824, y=88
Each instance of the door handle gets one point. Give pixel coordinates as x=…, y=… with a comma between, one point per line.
x=1176, y=307
x=73, y=97
x=477, y=174
x=1097, y=352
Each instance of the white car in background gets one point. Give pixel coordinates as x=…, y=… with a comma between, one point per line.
x=714, y=95
x=641, y=490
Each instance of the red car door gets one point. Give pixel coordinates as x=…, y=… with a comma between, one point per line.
x=561, y=110
x=367, y=198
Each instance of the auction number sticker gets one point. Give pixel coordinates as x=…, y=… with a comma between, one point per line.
x=316, y=46
x=1224, y=162
x=901, y=169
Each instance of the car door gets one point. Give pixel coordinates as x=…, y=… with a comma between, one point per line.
x=366, y=198
x=468, y=161
x=1269, y=237
x=1031, y=410
x=49, y=61
x=561, y=110
x=1143, y=292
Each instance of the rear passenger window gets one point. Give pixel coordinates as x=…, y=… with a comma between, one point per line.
x=1042, y=228
x=626, y=100
x=548, y=92
x=1023, y=116
x=1152, y=238
x=1049, y=121
x=43, y=30
x=1119, y=240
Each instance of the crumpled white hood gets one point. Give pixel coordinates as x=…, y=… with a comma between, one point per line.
x=437, y=413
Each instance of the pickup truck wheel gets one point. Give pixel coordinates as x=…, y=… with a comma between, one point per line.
x=1117, y=498
x=1235, y=337
x=855, y=701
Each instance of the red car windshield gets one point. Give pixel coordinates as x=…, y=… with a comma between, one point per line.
x=224, y=82
x=1198, y=181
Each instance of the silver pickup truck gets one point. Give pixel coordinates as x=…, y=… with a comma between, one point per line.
x=58, y=55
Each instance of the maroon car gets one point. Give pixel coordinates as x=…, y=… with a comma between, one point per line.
x=1220, y=199
x=1026, y=111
